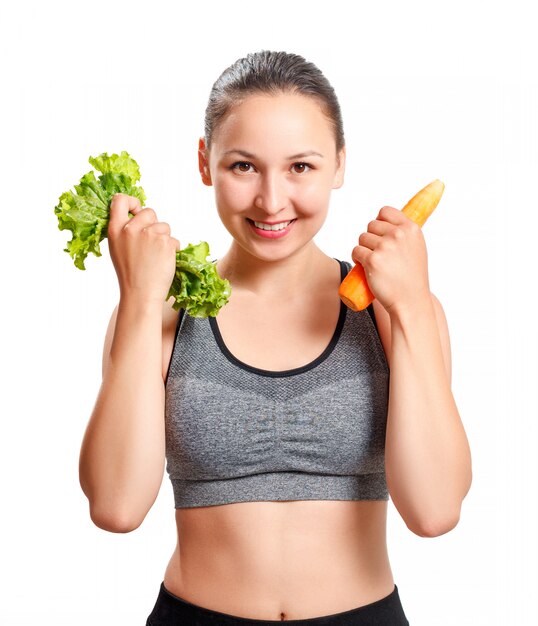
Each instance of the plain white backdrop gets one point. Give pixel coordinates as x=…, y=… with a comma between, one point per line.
x=427, y=90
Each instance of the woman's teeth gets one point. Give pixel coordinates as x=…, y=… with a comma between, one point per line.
x=279, y=226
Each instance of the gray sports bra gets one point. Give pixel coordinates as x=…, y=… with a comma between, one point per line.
x=238, y=433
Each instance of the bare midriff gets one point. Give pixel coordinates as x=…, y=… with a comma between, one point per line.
x=281, y=560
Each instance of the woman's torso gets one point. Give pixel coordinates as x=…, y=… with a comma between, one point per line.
x=287, y=559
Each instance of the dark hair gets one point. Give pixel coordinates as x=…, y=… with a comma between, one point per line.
x=268, y=72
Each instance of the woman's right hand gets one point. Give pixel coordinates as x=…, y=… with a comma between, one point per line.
x=141, y=249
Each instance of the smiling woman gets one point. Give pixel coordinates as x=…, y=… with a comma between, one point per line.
x=274, y=202
x=283, y=433
x=268, y=494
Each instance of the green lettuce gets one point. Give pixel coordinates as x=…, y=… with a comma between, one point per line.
x=196, y=286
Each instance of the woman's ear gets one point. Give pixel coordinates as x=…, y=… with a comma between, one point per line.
x=203, y=162
x=340, y=169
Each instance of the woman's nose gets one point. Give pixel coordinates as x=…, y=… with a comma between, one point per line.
x=271, y=195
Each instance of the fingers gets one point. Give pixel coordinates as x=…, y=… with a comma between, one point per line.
x=390, y=225
x=361, y=254
x=392, y=215
x=385, y=224
x=161, y=228
x=379, y=227
x=120, y=207
x=122, y=204
x=369, y=240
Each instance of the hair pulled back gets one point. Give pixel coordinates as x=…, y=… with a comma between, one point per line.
x=269, y=72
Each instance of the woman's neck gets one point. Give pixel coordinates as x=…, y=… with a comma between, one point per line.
x=281, y=278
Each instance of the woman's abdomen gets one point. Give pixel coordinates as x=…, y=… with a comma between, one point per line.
x=302, y=559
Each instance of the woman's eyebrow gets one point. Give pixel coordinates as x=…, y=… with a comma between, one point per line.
x=249, y=155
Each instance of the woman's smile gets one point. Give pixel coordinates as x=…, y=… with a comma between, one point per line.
x=276, y=230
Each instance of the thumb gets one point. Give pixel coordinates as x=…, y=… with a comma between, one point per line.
x=120, y=207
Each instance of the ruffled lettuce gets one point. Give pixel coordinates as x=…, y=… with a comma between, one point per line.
x=86, y=212
x=196, y=286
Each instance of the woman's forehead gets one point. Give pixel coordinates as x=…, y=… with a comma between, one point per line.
x=282, y=118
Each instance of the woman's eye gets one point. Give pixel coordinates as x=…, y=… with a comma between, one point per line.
x=241, y=164
x=302, y=166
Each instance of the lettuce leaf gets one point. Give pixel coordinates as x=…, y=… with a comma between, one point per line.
x=196, y=286
x=86, y=212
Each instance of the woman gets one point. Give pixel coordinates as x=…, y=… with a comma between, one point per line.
x=282, y=432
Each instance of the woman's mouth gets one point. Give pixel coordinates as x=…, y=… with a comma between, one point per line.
x=273, y=231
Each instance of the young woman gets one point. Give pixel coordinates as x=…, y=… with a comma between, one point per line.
x=283, y=433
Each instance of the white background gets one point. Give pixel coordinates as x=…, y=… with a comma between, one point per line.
x=428, y=90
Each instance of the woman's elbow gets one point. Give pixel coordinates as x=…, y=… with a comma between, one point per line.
x=113, y=522
x=436, y=528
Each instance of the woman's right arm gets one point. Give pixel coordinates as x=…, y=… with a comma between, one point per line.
x=123, y=451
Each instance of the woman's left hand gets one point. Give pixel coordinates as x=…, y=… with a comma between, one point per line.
x=395, y=261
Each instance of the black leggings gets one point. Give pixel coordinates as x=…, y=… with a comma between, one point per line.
x=171, y=610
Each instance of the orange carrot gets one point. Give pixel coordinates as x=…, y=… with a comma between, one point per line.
x=354, y=290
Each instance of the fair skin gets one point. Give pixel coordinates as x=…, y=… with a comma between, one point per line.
x=268, y=559
x=287, y=551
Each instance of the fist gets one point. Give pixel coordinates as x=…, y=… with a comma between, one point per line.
x=142, y=251
x=394, y=257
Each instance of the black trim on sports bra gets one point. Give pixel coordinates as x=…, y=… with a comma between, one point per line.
x=297, y=370
x=344, y=269
x=372, y=315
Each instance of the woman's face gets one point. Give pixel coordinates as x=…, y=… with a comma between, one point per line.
x=273, y=160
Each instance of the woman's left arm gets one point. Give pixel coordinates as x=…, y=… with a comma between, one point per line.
x=427, y=455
